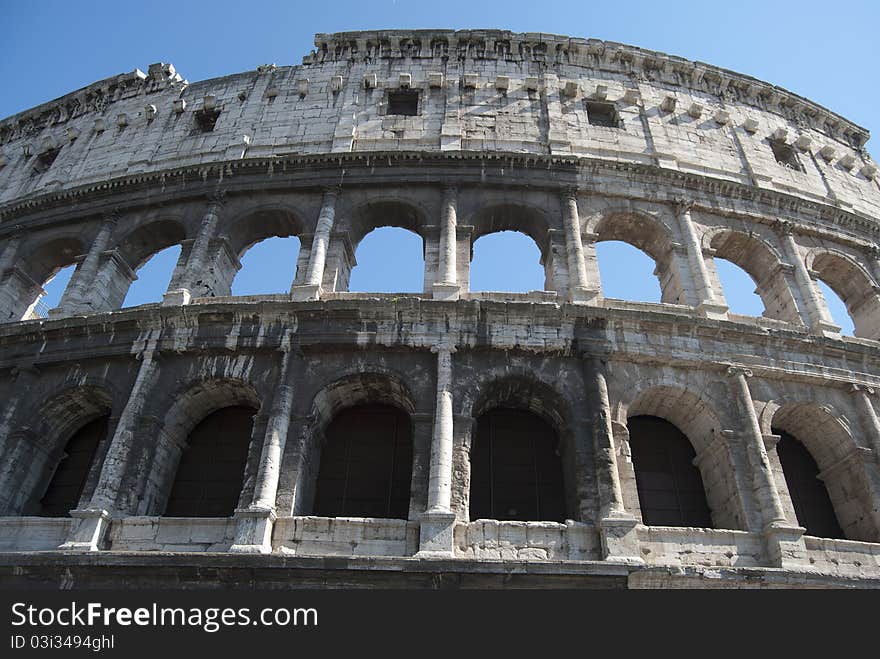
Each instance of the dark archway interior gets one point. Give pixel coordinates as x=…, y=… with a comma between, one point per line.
x=211, y=470
x=516, y=471
x=67, y=483
x=670, y=487
x=366, y=464
x=810, y=499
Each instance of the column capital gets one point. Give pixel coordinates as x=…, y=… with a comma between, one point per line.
x=855, y=388
x=872, y=251
x=783, y=227
x=217, y=197
x=570, y=193
x=444, y=345
x=450, y=189
x=682, y=205
x=734, y=371
x=111, y=217
x=331, y=191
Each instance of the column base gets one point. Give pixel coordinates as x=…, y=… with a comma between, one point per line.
x=713, y=310
x=785, y=546
x=306, y=292
x=620, y=543
x=253, y=531
x=826, y=329
x=436, y=535
x=177, y=298
x=584, y=295
x=88, y=531
x=444, y=291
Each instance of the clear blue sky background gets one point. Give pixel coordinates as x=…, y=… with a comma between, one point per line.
x=825, y=51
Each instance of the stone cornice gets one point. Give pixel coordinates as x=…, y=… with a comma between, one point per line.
x=595, y=54
x=581, y=169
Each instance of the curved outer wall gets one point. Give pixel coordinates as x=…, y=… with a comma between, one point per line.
x=699, y=163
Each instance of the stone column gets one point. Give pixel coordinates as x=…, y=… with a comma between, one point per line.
x=870, y=422
x=76, y=297
x=311, y=290
x=812, y=306
x=91, y=524
x=198, y=254
x=446, y=286
x=617, y=527
x=784, y=543
x=707, y=304
x=253, y=533
x=438, y=521
x=578, y=289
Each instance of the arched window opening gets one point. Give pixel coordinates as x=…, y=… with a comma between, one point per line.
x=516, y=471
x=267, y=267
x=54, y=286
x=507, y=261
x=812, y=504
x=389, y=259
x=626, y=272
x=669, y=485
x=211, y=470
x=366, y=464
x=837, y=309
x=67, y=483
x=153, y=278
x=739, y=289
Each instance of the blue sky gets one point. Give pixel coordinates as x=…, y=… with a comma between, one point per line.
x=825, y=52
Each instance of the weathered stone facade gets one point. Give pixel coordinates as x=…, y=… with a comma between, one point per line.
x=570, y=141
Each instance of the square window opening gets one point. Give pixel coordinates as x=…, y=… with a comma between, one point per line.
x=785, y=155
x=602, y=114
x=206, y=120
x=403, y=102
x=44, y=161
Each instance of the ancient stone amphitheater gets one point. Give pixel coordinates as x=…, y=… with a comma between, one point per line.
x=446, y=438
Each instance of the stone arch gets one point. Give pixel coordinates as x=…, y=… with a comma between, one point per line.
x=761, y=262
x=32, y=454
x=356, y=220
x=521, y=391
x=186, y=407
x=853, y=284
x=349, y=392
x=135, y=248
x=650, y=235
x=259, y=223
x=532, y=221
x=826, y=435
x=696, y=417
x=246, y=230
x=22, y=285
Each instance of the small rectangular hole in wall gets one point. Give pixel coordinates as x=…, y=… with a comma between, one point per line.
x=403, y=102
x=785, y=155
x=602, y=114
x=206, y=119
x=44, y=160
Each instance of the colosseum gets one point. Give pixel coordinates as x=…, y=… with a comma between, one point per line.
x=322, y=437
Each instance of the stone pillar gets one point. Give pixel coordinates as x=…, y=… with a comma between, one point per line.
x=253, y=533
x=76, y=298
x=870, y=422
x=311, y=290
x=707, y=304
x=784, y=543
x=438, y=521
x=578, y=289
x=446, y=286
x=813, y=309
x=617, y=527
x=198, y=258
x=10, y=251
x=91, y=524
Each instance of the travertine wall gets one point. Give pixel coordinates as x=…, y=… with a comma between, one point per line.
x=501, y=140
